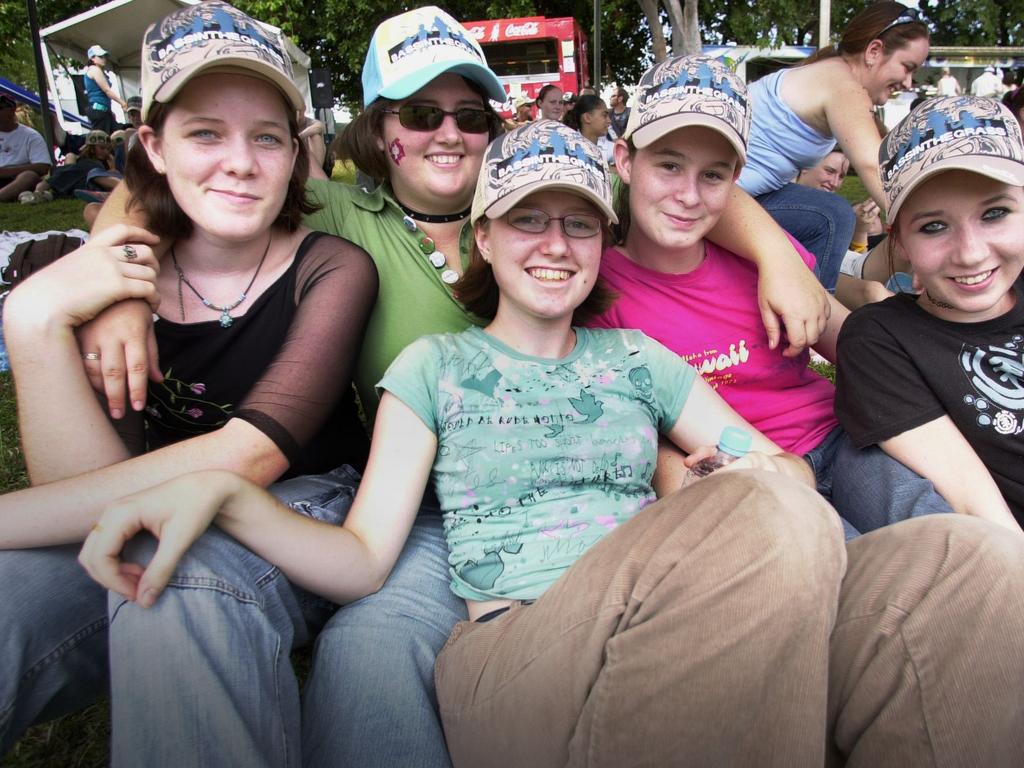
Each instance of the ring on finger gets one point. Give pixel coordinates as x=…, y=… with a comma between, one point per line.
x=130, y=254
x=91, y=356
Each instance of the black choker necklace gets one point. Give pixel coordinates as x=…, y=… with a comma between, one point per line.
x=937, y=302
x=430, y=218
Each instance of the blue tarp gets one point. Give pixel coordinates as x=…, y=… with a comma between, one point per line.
x=29, y=97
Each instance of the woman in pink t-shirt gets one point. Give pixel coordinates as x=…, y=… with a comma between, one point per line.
x=682, y=151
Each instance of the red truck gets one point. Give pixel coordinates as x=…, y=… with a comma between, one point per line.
x=528, y=53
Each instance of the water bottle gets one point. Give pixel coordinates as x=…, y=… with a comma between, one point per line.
x=732, y=444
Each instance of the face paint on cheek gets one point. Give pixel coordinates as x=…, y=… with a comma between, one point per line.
x=397, y=151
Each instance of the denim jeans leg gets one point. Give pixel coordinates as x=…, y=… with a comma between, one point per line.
x=53, y=638
x=204, y=677
x=871, y=489
x=822, y=221
x=822, y=461
x=370, y=699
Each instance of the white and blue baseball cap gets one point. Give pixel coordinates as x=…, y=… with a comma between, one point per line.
x=95, y=50
x=409, y=50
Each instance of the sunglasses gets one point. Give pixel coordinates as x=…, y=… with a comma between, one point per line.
x=577, y=225
x=909, y=16
x=420, y=117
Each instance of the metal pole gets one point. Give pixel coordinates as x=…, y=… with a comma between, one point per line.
x=595, y=42
x=44, y=101
x=824, y=24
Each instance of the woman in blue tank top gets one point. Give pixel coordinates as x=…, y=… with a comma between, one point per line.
x=99, y=92
x=800, y=114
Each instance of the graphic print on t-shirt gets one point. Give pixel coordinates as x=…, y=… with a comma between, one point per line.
x=996, y=374
x=537, y=459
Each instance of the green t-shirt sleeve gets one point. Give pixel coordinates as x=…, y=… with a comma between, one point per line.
x=329, y=195
x=672, y=380
x=413, y=377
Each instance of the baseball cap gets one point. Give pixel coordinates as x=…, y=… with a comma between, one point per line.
x=95, y=50
x=97, y=136
x=409, y=50
x=522, y=100
x=969, y=133
x=690, y=90
x=135, y=103
x=6, y=102
x=211, y=37
x=544, y=154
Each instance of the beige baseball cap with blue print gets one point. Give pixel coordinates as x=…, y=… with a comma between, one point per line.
x=211, y=37
x=969, y=133
x=686, y=91
x=541, y=155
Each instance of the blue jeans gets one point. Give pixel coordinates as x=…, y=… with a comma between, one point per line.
x=822, y=221
x=204, y=677
x=868, y=487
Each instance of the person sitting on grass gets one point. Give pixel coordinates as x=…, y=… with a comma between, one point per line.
x=935, y=378
x=23, y=156
x=260, y=322
x=604, y=627
x=868, y=232
x=683, y=148
x=93, y=173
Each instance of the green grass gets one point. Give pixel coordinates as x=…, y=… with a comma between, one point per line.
x=12, y=466
x=853, y=189
x=42, y=217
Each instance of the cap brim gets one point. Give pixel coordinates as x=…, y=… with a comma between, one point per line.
x=232, y=65
x=999, y=168
x=507, y=203
x=478, y=73
x=647, y=134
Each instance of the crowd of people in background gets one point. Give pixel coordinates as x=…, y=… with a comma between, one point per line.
x=549, y=323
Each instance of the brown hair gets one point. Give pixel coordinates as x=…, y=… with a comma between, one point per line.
x=586, y=103
x=478, y=292
x=152, y=194
x=358, y=142
x=868, y=25
x=544, y=92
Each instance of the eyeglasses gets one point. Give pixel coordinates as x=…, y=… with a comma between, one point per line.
x=420, y=117
x=577, y=225
x=909, y=16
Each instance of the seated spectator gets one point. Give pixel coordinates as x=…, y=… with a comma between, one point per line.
x=23, y=156
x=800, y=114
x=677, y=165
x=724, y=625
x=261, y=320
x=828, y=175
x=93, y=170
x=936, y=379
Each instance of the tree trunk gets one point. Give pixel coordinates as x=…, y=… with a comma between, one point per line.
x=685, y=27
x=650, y=8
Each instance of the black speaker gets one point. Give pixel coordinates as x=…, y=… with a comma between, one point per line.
x=320, y=91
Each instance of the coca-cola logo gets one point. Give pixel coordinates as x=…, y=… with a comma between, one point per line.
x=477, y=32
x=525, y=29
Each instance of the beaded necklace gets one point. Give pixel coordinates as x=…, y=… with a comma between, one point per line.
x=225, y=318
x=426, y=243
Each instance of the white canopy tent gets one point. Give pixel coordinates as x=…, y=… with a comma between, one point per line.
x=119, y=26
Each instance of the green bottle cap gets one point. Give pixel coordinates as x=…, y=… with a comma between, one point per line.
x=735, y=441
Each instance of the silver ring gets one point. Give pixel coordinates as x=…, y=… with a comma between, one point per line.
x=129, y=252
x=91, y=356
